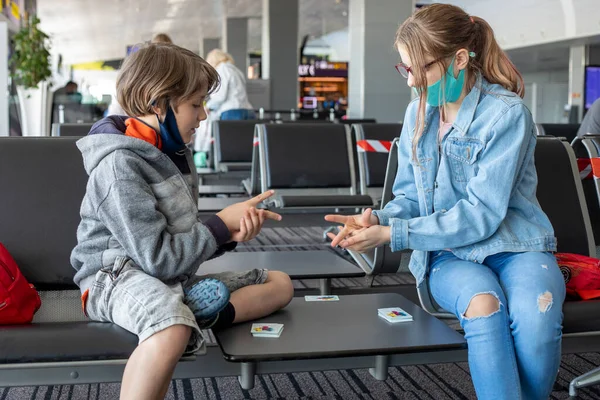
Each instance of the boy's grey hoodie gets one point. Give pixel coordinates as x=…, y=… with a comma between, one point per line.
x=139, y=204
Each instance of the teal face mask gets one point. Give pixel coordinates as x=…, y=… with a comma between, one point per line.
x=452, y=88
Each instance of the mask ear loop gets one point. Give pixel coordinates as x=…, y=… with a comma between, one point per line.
x=159, y=123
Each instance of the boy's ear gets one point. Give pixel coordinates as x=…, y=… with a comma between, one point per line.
x=156, y=110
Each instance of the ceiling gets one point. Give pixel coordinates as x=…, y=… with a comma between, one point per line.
x=92, y=30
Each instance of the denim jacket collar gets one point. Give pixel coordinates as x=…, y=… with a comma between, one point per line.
x=467, y=109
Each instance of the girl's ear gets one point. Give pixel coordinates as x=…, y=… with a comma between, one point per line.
x=462, y=59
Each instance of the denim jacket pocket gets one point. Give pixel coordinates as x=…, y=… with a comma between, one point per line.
x=463, y=154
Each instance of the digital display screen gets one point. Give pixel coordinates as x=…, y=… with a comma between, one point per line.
x=592, y=85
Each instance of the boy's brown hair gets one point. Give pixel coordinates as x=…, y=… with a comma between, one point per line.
x=162, y=74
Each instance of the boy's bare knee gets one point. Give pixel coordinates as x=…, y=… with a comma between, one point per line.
x=482, y=305
x=172, y=340
x=283, y=283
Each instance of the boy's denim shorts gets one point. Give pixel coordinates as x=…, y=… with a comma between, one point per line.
x=144, y=305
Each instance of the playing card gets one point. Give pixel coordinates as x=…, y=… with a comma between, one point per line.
x=321, y=298
x=266, y=330
x=394, y=314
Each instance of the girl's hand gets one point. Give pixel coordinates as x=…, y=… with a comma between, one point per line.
x=352, y=224
x=367, y=238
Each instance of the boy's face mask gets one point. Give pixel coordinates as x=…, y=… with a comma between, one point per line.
x=169, y=133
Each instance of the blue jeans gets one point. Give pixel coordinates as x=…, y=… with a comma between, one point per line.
x=238, y=114
x=514, y=353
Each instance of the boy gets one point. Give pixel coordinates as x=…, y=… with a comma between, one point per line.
x=140, y=240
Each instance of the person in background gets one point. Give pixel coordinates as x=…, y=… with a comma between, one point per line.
x=591, y=121
x=161, y=38
x=329, y=102
x=230, y=101
x=68, y=94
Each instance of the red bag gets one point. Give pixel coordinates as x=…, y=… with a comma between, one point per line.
x=18, y=299
x=581, y=273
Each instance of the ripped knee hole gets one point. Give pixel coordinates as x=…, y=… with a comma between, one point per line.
x=482, y=305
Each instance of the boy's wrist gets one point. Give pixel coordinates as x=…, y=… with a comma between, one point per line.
x=217, y=227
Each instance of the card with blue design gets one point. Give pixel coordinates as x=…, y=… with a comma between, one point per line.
x=394, y=314
x=267, y=330
x=322, y=298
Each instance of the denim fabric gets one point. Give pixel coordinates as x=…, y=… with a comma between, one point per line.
x=475, y=192
x=126, y=295
x=514, y=353
x=237, y=114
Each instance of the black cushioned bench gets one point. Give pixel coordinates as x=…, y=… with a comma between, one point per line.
x=44, y=182
x=233, y=144
x=372, y=164
x=69, y=129
x=309, y=165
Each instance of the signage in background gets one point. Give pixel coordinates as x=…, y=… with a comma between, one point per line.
x=324, y=69
x=13, y=10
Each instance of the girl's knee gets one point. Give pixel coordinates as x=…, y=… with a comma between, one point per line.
x=482, y=305
x=543, y=313
x=283, y=286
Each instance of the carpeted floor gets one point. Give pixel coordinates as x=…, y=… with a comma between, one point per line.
x=428, y=382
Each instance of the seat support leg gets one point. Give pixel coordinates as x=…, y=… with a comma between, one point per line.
x=247, y=373
x=380, y=371
x=325, y=286
x=587, y=379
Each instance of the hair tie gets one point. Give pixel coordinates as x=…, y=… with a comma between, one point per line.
x=472, y=20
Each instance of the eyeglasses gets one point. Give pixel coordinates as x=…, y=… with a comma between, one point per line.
x=404, y=69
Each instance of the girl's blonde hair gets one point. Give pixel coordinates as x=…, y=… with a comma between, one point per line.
x=218, y=56
x=440, y=30
x=162, y=74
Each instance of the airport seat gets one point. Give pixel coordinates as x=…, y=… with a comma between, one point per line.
x=69, y=129
x=568, y=131
x=372, y=155
x=44, y=184
x=233, y=144
x=39, y=211
x=310, y=166
x=586, y=149
x=353, y=121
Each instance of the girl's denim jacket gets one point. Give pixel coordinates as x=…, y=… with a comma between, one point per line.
x=473, y=193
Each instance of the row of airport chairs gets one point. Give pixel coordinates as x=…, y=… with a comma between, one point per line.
x=560, y=193
x=301, y=159
x=44, y=182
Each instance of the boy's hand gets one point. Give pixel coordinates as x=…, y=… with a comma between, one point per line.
x=233, y=215
x=352, y=224
x=250, y=225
